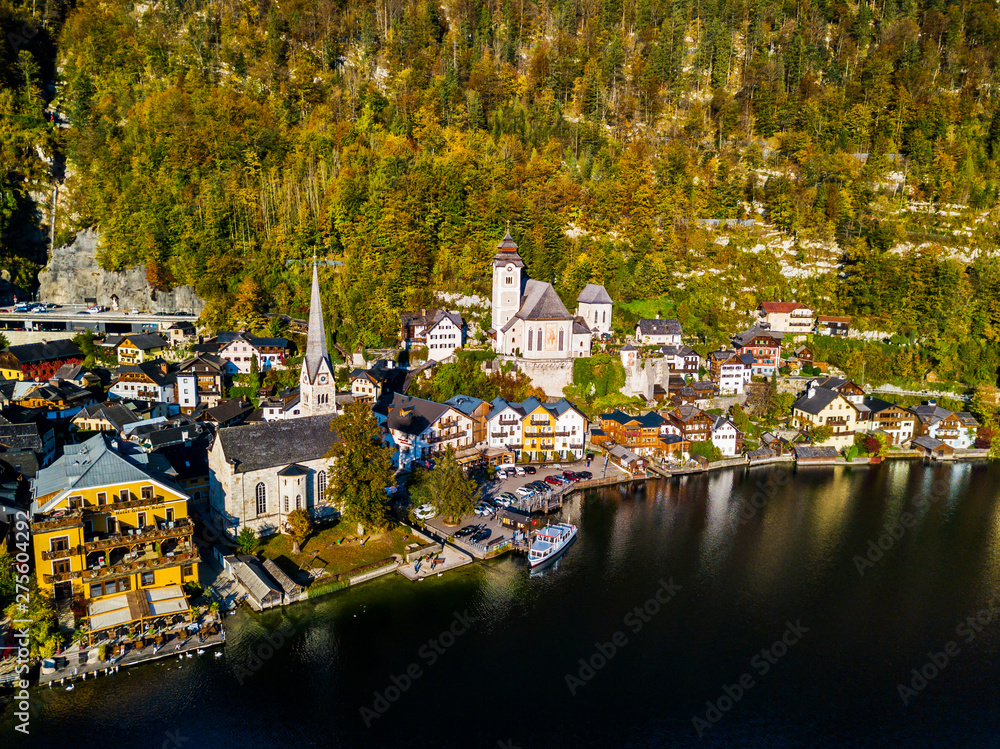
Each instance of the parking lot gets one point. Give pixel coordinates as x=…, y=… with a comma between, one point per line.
x=492, y=489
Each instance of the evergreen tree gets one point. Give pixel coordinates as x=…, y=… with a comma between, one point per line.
x=361, y=468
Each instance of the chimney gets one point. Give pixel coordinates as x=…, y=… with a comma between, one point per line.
x=932, y=403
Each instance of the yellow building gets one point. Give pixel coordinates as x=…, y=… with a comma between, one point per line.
x=139, y=347
x=538, y=429
x=111, y=530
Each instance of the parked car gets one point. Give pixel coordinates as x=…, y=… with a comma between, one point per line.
x=425, y=512
x=466, y=531
x=501, y=474
x=37, y=310
x=21, y=307
x=540, y=486
x=519, y=471
x=570, y=475
x=585, y=475
x=508, y=496
x=530, y=470
x=482, y=535
x=523, y=491
x=554, y=480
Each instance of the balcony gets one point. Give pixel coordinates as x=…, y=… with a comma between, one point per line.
x=150, y=533
x=62, y=553
x=156, y=499
x=62, y=577
x=73, y=519
x=147, y=563
x=447, y=436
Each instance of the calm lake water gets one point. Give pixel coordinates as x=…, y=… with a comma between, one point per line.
x=766, y=631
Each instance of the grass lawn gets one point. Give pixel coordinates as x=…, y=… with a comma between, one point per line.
x=338, y=558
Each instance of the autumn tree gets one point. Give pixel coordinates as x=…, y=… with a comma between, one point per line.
x=361, y=468
x=300, y=525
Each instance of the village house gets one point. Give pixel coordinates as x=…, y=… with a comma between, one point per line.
x=201, y=381
x=421, y=428
x=38, y=361
x=260, y=472
x=681, y=360
x=57, y=399
x=503, y=426
x=896, y=422
x=640, y=434
x=148, y=381
x=820, y=406
x=23, y=432
x=286, y=404
x=790, y=318
x=110, y=530
x=136, y=348
x=553, y=430
x=477, y=410
x=239, y=349
x=181, y=331
x=828, y=325
x=727, y=437
x=658, y=332
x=595, y=307
x=957, y=430
x=440, y=331
x=689, y=423
x=730, y=371
x=763, y=345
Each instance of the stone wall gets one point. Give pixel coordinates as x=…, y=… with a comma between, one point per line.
x=73, y=275
x=551, y=375
x=17, y=337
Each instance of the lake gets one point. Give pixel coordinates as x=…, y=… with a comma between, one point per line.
x=820, y=607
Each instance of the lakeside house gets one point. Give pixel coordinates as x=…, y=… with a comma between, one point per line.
x=110, y=530
x=957, y=430
x=820, y=406
x=763, y=345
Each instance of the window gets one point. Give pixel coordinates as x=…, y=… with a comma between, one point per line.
x=75, y=503
x=187, y=570
x=122, y=585
x=170, y=515
x=561, y=332
x=539, y=339
x=60, y=567
x=147, y=492
x=112, y=525
x=261, y=493
x=321, y=485
x=530, y=339
x=509, y=280
x=298, y=501
x=95, y=590
x=59, y=544
x=123, y=495
x=605, y=316
x=286, y=503
x=148, y=578
x=140, y=520
x=102, y=498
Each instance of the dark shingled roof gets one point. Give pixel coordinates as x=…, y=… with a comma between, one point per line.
x=420, y=414
x=28, y=353
x=812, y=451
x=742, y=339
x=144, y=341
x=594, y=293
x=815, y=400
x=277, y=443
x=20, y=436
x=659, y=326
x=929, y=443
x=541, y=302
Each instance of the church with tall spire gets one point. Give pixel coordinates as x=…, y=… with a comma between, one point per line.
x=317, y=388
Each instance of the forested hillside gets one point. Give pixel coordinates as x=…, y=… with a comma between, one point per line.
x=217, y=140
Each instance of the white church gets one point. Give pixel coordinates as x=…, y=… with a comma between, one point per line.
x=529, y=319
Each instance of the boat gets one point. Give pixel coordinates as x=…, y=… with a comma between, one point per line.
x=550, y=542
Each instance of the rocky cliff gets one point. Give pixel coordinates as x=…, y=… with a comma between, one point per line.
x=73, y=275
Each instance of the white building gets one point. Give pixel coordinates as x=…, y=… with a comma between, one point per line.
x=239, y=349
x=594, y=306
x=658, y=332
x=726, y=437
x=735, y=373
x=421, y=428
x=260, y=472
x=529, y=319
x=445, y=333
x=503, y=425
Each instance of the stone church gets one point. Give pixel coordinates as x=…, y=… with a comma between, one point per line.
x=530, y=321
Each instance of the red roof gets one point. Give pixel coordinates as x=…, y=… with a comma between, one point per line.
x=828, y=318
x=771, y=307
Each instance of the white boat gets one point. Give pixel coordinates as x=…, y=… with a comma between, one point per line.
x=550, y=542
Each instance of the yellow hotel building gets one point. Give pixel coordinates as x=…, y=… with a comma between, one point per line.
x=109, y=528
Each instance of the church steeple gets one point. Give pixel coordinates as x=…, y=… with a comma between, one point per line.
x=316, y=351
x=317, y=389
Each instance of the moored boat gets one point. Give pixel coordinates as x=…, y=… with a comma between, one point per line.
x=550, y=542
